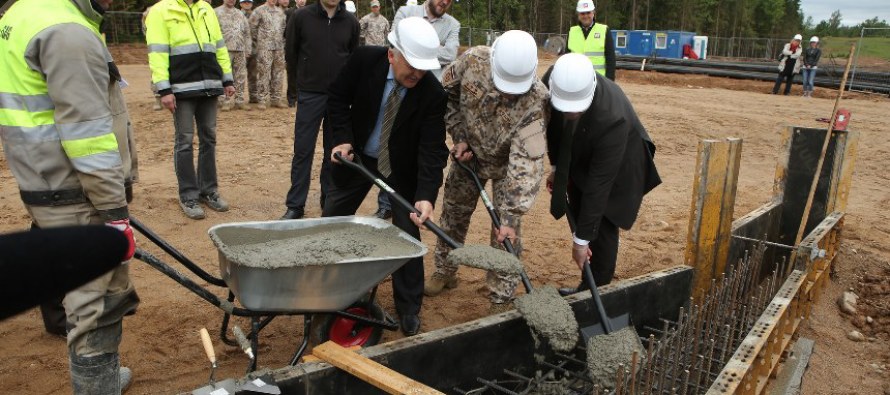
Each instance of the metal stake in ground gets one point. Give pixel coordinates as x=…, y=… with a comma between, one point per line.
x=545, y=311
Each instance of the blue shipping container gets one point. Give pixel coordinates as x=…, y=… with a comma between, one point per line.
x=657, y=43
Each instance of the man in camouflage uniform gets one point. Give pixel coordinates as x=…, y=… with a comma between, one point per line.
x=374, y=26
x=236, y=33
x=247, y=9
x=267, y=29
x=506, y=135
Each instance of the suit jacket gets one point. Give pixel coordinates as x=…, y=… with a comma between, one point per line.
x=417, y=147
x=612, y=163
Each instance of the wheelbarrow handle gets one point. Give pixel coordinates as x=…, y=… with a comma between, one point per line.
x=398, y=198
x=495, y=219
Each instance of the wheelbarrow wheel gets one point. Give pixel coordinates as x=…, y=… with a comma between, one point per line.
x=346, y=331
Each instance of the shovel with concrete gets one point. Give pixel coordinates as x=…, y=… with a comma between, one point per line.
x=481, y=255
x=545, y=311
x=611, y=341
x=225, y=387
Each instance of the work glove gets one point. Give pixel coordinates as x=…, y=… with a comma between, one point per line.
x=123, y=225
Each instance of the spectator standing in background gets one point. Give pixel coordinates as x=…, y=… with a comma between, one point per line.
x=291, y=78
x=374, y=26
x=810, y=60
x=788, y=64
x=267, y=30
x=593, y=40
x=236, y=33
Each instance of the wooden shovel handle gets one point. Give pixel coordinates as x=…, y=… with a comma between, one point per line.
x=208, y=345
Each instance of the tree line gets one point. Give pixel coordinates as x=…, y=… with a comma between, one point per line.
x=722, y=18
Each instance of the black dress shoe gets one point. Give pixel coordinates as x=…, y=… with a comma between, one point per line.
x=567, y=291
x=383, y=213
x=410, y=324
x=293, y=213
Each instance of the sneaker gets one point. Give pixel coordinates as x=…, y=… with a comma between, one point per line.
x=126, y=378
x=192, y=209
x=438, y=282
x=214, y=202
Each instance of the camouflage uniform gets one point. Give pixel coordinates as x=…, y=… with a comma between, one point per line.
x=507, y=136
x=374, y=29
x=236, y=33
x=251, y=66
x=267, y=30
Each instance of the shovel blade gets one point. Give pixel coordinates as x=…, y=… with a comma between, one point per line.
x=260, y=385
x=225, y=387
x=618, y=323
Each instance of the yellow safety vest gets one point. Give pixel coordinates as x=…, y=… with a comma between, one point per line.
x=27, y=112
x=594, y=46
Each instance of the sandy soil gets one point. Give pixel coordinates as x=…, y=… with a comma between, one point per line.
x=161, y=342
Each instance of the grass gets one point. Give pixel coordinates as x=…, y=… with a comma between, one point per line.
x=874, y=48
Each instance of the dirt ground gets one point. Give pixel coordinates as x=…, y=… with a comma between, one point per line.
x=161, y=342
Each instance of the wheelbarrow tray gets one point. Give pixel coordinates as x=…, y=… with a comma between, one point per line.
x=310, y=288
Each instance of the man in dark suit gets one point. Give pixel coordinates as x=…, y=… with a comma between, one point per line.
x=602, y=158
x=389, y=112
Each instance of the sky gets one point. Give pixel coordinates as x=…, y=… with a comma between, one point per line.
x=852, y=12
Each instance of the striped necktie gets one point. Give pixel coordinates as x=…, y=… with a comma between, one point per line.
x=393, y=101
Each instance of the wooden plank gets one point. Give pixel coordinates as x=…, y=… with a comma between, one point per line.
x=313, y=358
x=713, y=200
x=371, y=372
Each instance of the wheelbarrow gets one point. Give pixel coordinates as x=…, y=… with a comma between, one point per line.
x=337, y=300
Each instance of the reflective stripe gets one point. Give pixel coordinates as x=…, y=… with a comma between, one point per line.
x=90, y=146
x=599, y=67
x=162, y=85
x=228, y=77
x=158, y=48
x=221, y=43
x=193, y=48
x=83, y=130
x=30, y=103
x=193, y=86
x=95, y=162
x=29, y=135
x=594, y=53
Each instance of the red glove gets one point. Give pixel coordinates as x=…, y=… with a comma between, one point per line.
x=123, y=225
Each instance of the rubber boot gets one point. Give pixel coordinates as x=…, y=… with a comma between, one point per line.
x=96, y=375
x=438, y=282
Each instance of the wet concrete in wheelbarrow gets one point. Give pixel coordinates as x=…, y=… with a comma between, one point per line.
x=318, y=245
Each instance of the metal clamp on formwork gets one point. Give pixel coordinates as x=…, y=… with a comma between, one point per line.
x=813, y=252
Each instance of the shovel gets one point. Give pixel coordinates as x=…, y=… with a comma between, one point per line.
x=612, y=341
x=509, y=262
x=557, y=323
x=225, y=387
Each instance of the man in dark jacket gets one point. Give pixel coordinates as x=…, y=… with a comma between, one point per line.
x=602, y=158
x=389, y=112
x=319, y=39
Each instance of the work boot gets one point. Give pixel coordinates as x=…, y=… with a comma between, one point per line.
x=261, y=106
x=214, y=202
x=242, y=106
x=227, y=107
x=192, y=209
x=279, y=104
x=438, y=282
x=498, y=308
x=126, y=378
x=98, y=375
x=157, y=105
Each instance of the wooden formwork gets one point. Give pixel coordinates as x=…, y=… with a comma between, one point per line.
x=775, y=222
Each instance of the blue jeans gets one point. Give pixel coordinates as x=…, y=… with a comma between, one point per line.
x=809, y=75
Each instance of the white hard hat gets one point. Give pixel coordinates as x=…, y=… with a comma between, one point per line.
x=798, y=37
x=418, y=42
x=814, y=39
x=585, y=6
x=514, y=62
x=350, y=6
x=572, y=83
x=411, y=2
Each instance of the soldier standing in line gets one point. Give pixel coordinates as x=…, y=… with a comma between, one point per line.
x=247, y=9
x=374, y=26
x=496, y=114
x=236, y=33
x=267, y=29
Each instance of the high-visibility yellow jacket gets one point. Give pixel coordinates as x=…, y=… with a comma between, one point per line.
x=56, y=119
x=594, y=46
x=186, y=51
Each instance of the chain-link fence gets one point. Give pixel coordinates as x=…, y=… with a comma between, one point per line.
x=123, y=27
x=870, y=64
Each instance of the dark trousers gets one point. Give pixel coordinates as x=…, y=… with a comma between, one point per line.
x=291, y=86
x=189, y=112
x=310, y=113
x=788, y=76
x=604, y=248
x=344, y=198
